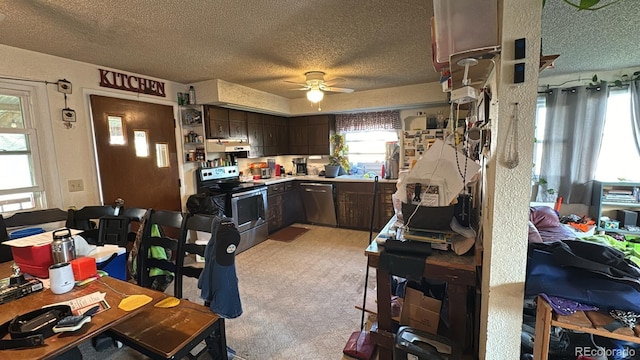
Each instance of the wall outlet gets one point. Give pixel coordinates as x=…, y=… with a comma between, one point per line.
x=76, y=185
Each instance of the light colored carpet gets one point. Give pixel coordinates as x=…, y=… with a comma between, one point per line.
x=298, y=297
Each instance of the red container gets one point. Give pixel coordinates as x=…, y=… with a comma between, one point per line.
x=33, y=260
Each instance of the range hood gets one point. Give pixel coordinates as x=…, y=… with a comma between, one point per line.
x=229, y=145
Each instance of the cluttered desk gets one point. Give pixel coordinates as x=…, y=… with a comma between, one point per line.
x=460, y=274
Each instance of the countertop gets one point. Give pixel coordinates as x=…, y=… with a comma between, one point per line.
x=342, y=178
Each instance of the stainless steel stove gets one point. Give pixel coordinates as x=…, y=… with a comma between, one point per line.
x=245, y=203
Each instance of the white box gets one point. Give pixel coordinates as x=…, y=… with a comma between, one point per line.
x=462, y=25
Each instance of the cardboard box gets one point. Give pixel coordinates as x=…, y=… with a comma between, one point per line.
x=420, y=312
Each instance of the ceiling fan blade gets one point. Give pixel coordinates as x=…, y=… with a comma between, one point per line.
x=336, y=89
x=295, y=82
x=334, y=81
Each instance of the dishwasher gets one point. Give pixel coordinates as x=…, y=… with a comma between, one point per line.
x=317, y=200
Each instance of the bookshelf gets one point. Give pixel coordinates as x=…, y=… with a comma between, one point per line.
x=620, y=202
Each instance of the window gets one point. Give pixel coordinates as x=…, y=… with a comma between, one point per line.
x=29, y=174
x=618, y=158
x=541, y=118
x=21, y=185
x=367, y=148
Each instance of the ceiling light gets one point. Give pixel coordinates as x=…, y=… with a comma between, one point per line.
x=315, y=95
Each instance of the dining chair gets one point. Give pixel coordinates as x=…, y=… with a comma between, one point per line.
x=157, y=250
x=200, y=227
x=86, y=218
x=24, y=219
x=121, y=229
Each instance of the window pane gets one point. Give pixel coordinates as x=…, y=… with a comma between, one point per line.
x=162, y=155
x=619, y=158
x=367, y=149
x=16, y=202
x=18, y=174
x=11, y=112
x=116, y=130
x=142, y=146
x=14, y=142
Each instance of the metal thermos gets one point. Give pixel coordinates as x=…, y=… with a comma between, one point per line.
x=63, y=247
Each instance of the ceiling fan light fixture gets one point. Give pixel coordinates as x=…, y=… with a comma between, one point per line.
x=315, y=95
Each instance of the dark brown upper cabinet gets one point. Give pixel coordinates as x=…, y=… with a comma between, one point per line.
x=299, y=136
x=276, y=131
x=309, y=135
x=222, y=123
x=254, y=133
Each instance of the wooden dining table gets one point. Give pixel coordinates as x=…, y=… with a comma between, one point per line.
x=114, y=289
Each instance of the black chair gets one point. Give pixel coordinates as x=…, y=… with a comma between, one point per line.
x=24, y=219
x=163, y=230
x=118, y=229
x=87, y=217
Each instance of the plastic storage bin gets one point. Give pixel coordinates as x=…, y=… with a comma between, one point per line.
x=112, y=259
x=33, y=260
x=462, y=25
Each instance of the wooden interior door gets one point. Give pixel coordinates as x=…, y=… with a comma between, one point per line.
x=142, y=180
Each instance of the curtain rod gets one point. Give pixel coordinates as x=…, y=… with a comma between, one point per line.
x=573, y=88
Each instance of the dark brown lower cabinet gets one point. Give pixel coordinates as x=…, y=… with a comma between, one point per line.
x=355, y=203
x=284, y=205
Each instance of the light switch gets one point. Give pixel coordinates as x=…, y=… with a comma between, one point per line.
x=76, y=185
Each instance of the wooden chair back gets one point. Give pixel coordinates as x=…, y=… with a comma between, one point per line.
x=162, y=232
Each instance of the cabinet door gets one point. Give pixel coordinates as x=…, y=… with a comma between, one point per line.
x=237, y=124
x=298, y=136
x=254, y=134
x=354, y=205
x=319, y=129
x=282, y=135
x=292, y=204
x=217, y=124
x=270, y=135
x=384, y=208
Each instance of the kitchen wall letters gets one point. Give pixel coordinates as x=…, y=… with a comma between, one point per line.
x=116, y=80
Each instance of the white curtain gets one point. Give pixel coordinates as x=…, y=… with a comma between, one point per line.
x=635, y=111
x=572, y=138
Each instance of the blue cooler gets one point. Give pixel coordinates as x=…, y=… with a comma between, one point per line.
x=111, y=259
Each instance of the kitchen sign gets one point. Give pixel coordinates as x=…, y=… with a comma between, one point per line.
x=120, y=81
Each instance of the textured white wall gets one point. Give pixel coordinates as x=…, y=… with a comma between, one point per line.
x=506, y=207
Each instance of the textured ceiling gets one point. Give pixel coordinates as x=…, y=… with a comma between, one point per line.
x=261, y=44
x=591, y=41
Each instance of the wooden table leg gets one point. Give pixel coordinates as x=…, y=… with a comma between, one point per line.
x=385, y=324
x=457, y=296
x=543, y=330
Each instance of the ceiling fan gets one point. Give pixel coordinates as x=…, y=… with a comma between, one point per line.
x=315, y=85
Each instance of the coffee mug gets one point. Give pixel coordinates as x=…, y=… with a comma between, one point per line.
x=61, y=278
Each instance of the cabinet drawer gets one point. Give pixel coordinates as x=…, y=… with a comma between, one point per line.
x=275, y=189
x=288, y=186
